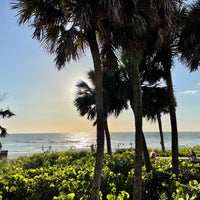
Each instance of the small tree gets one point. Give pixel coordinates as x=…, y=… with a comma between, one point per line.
x=4, y=113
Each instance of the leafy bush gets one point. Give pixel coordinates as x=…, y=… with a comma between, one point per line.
x=68, y=176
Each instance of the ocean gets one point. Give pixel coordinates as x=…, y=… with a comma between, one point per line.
x=31, y=143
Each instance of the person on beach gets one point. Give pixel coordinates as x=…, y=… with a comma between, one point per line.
x=153, y=155
x=43, y=148
x=92, y=148
x=192, y=155
x=49, y=150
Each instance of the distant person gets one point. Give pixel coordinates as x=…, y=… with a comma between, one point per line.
x=153, y=155
x=43, y=148
x=92, y=148
x=192, y=155
x=49, y=150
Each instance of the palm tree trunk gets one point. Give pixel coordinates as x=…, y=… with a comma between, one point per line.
x=108, y=140
x=167, y=64
x=100, y=115
x=145, y=149
x=172, y=120
x=146, y=155
x=161, y=132
x=137, y=104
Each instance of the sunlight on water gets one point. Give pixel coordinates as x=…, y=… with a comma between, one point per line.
x=27, y=144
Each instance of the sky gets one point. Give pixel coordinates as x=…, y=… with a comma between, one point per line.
x=42, y=97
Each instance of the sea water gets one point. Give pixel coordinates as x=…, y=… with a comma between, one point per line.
x=30, y=143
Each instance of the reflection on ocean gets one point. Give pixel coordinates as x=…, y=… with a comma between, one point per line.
x=27, y=144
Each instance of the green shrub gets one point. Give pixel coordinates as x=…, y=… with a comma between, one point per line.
x=68, y=176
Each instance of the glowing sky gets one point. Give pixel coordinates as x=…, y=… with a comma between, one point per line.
x=42, y=97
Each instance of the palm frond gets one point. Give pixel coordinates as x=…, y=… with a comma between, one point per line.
x=50, y=21
x=85, y=100
x=3, y=132
x=189, y=43
x=6, y=113
x=155, y=101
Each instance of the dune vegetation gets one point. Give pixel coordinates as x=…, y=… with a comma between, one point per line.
x=68, y=176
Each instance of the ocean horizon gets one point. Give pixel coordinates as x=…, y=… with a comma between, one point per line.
x=22, y=144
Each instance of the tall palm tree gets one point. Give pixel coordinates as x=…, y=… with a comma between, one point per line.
x=154, y=21
x=114, y=103
x=164, y=59
x=155, y=102
x=166, y=56
x=131, y=40
x=67, y=28
x=154, y=98
x=126, y=77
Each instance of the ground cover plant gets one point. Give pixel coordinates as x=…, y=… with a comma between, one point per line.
x=68, y=176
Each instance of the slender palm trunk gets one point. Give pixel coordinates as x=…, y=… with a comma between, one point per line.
x=100, y=115
x=137, y=104
x=173, y=121
x=161, y=132
x=108, y=140
x=145, y=149
x=167, y=64
x=146, y=155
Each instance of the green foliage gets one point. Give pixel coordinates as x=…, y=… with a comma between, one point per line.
x=68, y=176
x=183, y=152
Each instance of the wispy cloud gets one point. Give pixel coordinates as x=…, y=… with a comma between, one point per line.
x=190, y=92
x=198, y=84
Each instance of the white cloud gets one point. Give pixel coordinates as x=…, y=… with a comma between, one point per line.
x=190, y=92
x=198, y=84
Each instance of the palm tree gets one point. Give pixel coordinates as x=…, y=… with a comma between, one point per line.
x=134, y=41
x=113, y=102
x=126, y=77
x=133, y=46
x=154, y=98
x=163, y=57
x=155, y=102
x=66, y=28
x=151, y=73
x=166, y=56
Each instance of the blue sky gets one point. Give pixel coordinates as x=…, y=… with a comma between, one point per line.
x=42, y=97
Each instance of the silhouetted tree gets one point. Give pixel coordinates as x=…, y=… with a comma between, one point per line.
x=114, y=103
x=4, y=113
